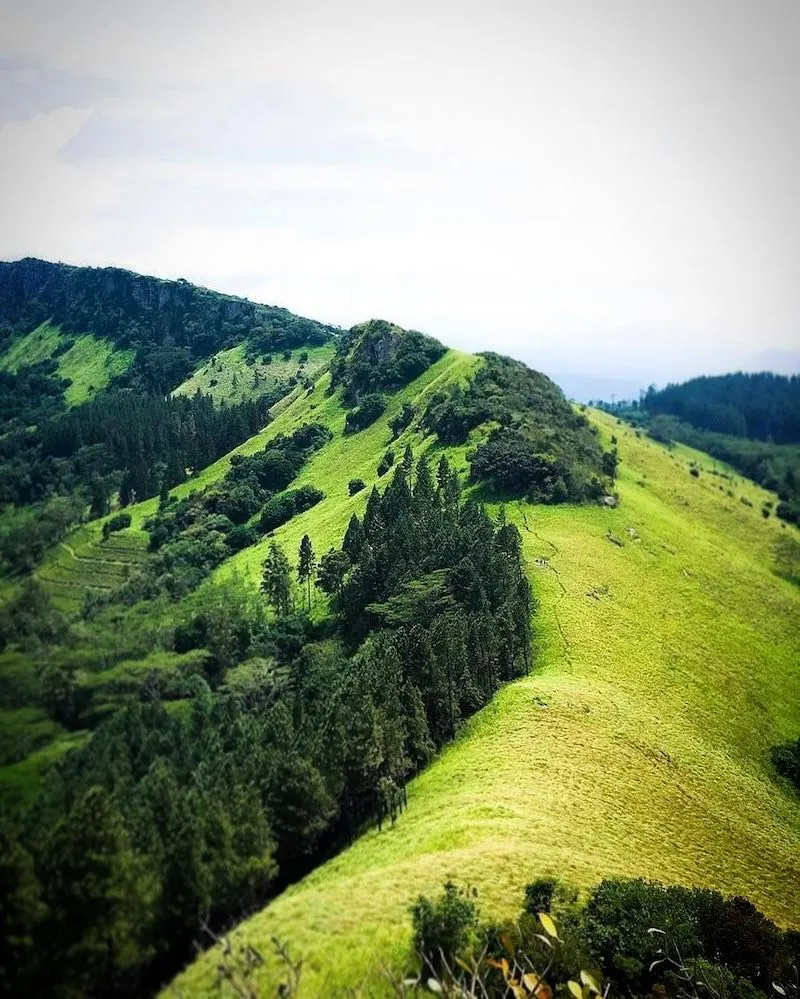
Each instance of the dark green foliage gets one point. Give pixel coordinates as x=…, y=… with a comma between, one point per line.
x=284, y=506
x=276, y=580
x=542, y=449
x=192, y=536
x=306, y=565
x=159, y=318
x=403, y=419
x=385, y=463
x=786, y=760
x=294, y=737
x=277, y=511
x=123, y=440
x=367, y=413
x=31, y=396
x=378, y=356
x=539, y=895
x=789, y=511
x=355, y=486
x=701, y=924
x=28, y=619
x=444, y=928
x=762, y=406
x=116, y=523
x=774, y=465
x=638, y=937
x=26, y=533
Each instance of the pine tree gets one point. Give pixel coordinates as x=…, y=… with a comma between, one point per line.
x=276, y=581
x=306, y=565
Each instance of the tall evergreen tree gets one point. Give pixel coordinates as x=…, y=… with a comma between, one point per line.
x=306, y=565
x=276, y=580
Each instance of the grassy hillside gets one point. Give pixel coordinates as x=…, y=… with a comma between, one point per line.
x=667, y=668
x=230, y=376
x=90, y=362
x=86, y=563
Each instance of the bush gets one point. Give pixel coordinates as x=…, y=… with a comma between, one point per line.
x=445, y=926
x=366, y=414
x=403, y=419
x=307, y=496
x=786, y=760
x=539, y=895
x=695, y=472
x=386, y=463
x=277, y=511
x=355, y=486
x=117, y=523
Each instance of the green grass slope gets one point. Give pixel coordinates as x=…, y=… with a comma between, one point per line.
x=90, y=362
x=667, y=666
x=229, y=376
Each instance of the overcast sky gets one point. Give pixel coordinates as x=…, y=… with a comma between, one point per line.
x=596, y=186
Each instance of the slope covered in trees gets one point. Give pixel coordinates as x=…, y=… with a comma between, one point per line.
x=763, y=406
x=750, y=421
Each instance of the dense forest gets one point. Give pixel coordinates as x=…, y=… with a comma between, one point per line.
x=762, y=406
x=136, y=311
x=296, y=735
x=749, y=421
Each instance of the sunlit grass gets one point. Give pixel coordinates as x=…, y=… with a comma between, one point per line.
x=90, y=363
x=228, y=376
x=665, y=671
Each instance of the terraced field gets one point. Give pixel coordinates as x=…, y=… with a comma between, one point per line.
x=84, y=563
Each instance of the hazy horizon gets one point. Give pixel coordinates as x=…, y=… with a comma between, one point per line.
x=607, y=192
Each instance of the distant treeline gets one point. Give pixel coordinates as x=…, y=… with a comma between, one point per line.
x=751, y=422
x=761, y=406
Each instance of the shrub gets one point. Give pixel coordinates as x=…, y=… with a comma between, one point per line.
x=403, y=419
x=307, y=496
x=444, y=927
x=277, y=511
x=386, y=463
x=786, y=760
x=695, y=472
x=355, y=486
x=367, y=413
x=116, y=523
x=539, y=895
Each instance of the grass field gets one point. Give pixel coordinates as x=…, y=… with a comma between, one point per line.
x=90, y=363
x=84, y=563
x=229, y=376
x=667, y=666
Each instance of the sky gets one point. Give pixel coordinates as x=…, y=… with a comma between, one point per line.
x=606, y=189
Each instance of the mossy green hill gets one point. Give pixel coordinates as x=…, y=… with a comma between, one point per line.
x=667, y=666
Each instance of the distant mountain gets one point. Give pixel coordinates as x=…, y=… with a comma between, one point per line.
x=133, y=310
